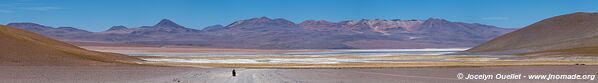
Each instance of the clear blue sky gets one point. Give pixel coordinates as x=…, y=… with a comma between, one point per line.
x=99, y=15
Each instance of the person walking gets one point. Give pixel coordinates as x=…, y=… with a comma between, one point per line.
x=234, y=73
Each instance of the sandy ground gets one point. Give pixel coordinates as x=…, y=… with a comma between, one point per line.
x=58, y=74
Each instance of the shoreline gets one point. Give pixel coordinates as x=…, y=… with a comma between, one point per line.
x=382, y=65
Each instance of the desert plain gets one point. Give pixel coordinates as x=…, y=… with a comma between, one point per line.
x=178, y=65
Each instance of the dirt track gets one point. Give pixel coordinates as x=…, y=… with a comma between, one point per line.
x=56, y=74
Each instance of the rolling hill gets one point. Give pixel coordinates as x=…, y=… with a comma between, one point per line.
x=574, y=33
x=23, y=48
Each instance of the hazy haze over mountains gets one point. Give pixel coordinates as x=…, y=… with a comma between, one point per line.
x=267, y=33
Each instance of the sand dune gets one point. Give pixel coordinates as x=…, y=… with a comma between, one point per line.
x=19, y=47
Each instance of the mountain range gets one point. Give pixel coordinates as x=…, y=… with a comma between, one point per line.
x=267, y=33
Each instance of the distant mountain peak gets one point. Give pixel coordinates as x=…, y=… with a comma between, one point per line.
x=113, y=28
x=165, y=23
x=24, y=23
x=314, y=21
x=30, y=26
x=382, y=23
x=66, y=28
x=436, y=20
x=164, y=26
x=263, y=17
x=260, y=19
x=216, y=25
x=263, y=22
x=317, y=24
x=42, y=29
x=72, y=29
x=213, y=28
x=255, y=20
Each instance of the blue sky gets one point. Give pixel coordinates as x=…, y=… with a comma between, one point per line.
x=99, y=15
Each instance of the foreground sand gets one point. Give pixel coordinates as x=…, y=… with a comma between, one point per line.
x=66, y=74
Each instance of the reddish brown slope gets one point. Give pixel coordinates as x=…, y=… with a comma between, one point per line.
x=570, y=31
x=18, y=47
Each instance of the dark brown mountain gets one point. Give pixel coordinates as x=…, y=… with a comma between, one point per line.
x=24, y=48
x=266, y=33
x=570, y=33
